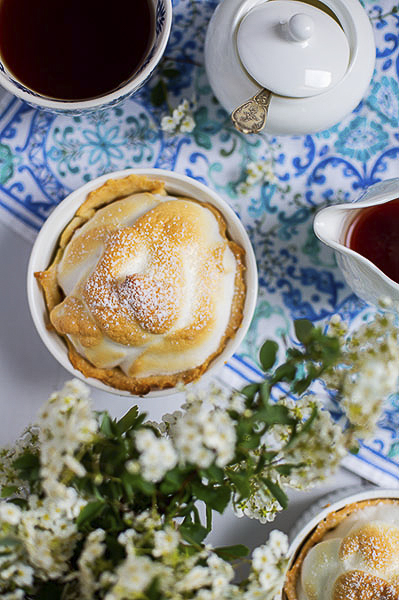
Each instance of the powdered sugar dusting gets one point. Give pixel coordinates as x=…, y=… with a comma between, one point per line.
x=163, y=284
x=359, y=585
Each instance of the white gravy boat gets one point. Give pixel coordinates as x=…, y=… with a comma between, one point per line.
x=331, y=224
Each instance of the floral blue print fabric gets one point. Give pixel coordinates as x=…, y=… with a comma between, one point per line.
x=44, y=156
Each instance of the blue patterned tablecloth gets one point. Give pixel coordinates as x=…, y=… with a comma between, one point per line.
x=43, y=157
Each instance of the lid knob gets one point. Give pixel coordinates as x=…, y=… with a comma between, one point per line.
x=301, y=27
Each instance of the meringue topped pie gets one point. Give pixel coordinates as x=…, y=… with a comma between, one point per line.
x=145, y=288
x=353, y=554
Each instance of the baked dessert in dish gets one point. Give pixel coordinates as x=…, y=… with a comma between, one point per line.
x=145, y=288
x=353, y=554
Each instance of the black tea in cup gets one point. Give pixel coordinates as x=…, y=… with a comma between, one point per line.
x=75, y=49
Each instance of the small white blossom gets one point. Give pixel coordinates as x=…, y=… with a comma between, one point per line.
x=132, y=577
x=23, y=575
x=180, y=120
x=165, y=542
x=187, y=124
x=10, y=513
x=168, y=124
x=157, y=455
x=261, y=557
x=196, y=578
x=278, y=543
x=257, y=172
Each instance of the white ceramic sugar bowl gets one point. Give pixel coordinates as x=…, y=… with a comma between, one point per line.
x=317, y=58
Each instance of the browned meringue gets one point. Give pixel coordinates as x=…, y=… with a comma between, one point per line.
x=145, y=288
x=353, y=554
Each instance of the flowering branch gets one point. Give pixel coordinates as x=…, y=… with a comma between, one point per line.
x=107, y=509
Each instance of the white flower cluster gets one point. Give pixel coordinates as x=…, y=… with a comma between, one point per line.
x=257, y=172
x=202, y=434
x=16, y=576
x=369, y=371
x=67, y=423
x=46, y=530
x=180, y=120
x=201, y=576
x=157, y=455
x=8, y=475
x=93, y=550
x=49, y=535
x=260, y=505
x=269, y=565
x=319, y=450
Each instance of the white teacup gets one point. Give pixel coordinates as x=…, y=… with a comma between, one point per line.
x=331, y=225
x=163, y=19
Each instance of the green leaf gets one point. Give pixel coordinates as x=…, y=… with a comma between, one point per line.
x=21, y=502
x=26, y=461
x=301, y=385
x=249, y=391
x=193, y=532
x=159, y=93
x=285, y=372
x=276, y=414
x=276, y=491
x=267, y=354
x=171, y=73
x=128, y=420
x=310, y=420
x=213, y=474
x=145, y=486
x=265, y=392
x=303, y=330
x=106, y=426
x=153, y=592
x=28, y=466
x=287, y=468
x=90, y=512
x=251, y=442
x=49, y=591
x=232, y=552
x=8, y=490
x=173, y=481
x=217, y=497
x=241, y=483
x=127, y=486
x=9, y=541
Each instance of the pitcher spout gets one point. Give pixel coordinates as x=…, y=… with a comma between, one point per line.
x=330, y=225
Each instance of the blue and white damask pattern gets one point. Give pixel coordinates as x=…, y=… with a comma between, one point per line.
x=44, y=156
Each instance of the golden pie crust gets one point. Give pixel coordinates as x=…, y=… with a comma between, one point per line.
x=353, y=585
x=90, y=331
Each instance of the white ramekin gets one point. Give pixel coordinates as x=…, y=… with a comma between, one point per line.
x=163, y=20
x=325, y=506
x=47, y=240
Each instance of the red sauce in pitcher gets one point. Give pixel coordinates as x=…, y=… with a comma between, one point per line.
x=374, y=233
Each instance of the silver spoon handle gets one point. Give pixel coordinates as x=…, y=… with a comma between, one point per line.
x=251, y=116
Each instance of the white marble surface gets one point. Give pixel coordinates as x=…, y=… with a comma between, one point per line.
x=28, y=374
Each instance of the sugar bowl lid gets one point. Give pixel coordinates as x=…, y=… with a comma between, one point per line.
x=292, y=48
